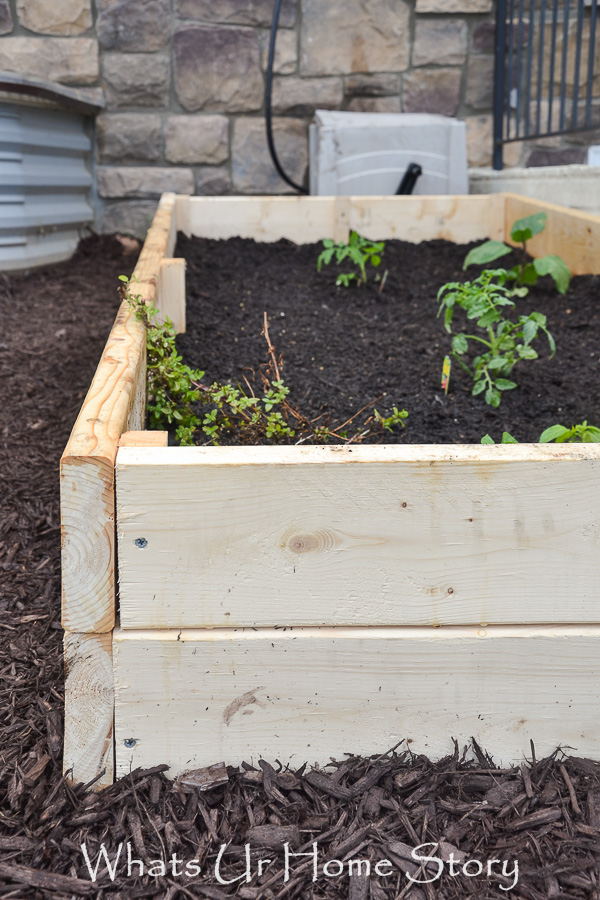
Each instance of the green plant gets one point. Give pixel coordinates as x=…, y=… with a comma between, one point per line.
x=581, y=433
x=506, y=342
x=177, y=396
x=526, y=273
x=358, y=250
x=172, y=389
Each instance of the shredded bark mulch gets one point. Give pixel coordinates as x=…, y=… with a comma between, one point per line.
x=345, y=348
x=543, y=816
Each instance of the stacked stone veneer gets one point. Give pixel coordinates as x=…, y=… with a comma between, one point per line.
x=183, y=82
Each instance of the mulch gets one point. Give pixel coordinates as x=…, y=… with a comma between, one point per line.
x=544, y=815
x=345, y=348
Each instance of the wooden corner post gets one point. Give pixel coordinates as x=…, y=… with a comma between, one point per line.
x=114, y=403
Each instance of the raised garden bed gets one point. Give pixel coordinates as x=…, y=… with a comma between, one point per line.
x=281, y=601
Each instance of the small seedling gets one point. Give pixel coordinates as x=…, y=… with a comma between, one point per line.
x=506, y=344
x=527, y=273
x=581, y=433
x=358, y=250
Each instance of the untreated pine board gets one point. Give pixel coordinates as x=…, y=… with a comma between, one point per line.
x=114, y=403
x=189, y=698
x=144, y=439
x=374, y=535
x=569, y=233
x=170, y=294
x=89, y=708
x=309, y=219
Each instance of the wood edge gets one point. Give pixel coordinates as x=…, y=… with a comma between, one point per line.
x=381, y=454
x=182, y=213
x=89, y=709
x=87, y=510
x=359, y=632
x=144, y=439
x=497, y=207
x=553, y=207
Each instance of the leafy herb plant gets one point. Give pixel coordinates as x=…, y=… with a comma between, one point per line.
x=359, y=251
x=505, y=343
x=177, y=397
x=527, y=273
x=581, y=433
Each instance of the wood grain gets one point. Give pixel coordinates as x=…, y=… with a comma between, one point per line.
x=569, y=233
x=89, y=708
x=307, y=219
x=114, y=403
x=189, y=698
x=170, y=295
x=379, y=535
x=144, y=439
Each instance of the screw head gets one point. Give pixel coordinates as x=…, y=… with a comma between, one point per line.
x=129, y=743
x=141, y=542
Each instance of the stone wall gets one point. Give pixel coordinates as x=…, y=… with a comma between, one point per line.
x=183, y=82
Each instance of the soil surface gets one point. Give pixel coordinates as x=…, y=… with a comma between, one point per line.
x=544, y=815
x=345, y=347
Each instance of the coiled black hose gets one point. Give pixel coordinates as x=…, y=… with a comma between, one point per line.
x=268, y=93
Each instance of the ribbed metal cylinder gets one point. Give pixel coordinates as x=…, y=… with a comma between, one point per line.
x=45, y=181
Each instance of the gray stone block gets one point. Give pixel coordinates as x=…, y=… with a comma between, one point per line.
x=129, y=137
x=564, y=157
x=286, y=51
x=432, y=91
x=133, y=27
x=62, y=17
x=135, y=80
x=197, y=139
x=67, y=60
x=213, y=180
x=441, y=42
x=252, y=168
x=6, y=21
x=143, y=182
x=129, y=217
x=339, y=37
x=479, y=93
x=217, y=69
x=301, y=96
x=371, y=85
x=375, y=104
x=454, y=6
x=233, y=12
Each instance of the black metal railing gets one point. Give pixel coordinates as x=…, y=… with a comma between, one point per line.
x=545, y=70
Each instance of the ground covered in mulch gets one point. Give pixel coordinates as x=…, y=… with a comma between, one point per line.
x=345, y=348
x=544, y=816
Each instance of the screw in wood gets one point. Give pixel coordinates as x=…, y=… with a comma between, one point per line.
x=141, y=542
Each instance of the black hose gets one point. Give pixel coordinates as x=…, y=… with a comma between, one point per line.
x=268, y=91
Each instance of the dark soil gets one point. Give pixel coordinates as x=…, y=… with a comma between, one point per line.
x=544, y=815
x=344, y=348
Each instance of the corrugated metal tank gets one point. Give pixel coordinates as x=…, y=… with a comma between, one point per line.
x=45, y=172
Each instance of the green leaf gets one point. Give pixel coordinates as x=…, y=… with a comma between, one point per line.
x=492, y=397
x=486, y=439
x=526, y=228
x=556, y=268
x=529, y=275
x=498, y=362
x=460, y=344
x=552, y=433
x=526, y=352
x=485, y=253
x=507, y=438
x=503, y=384
x=478, y=388
x=530, y=329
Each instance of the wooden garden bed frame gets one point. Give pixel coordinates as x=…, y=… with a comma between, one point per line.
x=282, y=601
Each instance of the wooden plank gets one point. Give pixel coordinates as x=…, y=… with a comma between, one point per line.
x=569, y=233
x=89, y=708
x=374, y=535
x=307, y=219
x=182, y=214
x=114, y=403
x=190, y=698
x=299, y=219
x=171, y=293
x=144, y=439
x=415, y=218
